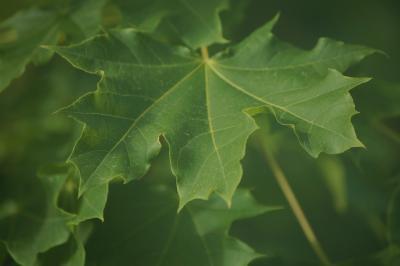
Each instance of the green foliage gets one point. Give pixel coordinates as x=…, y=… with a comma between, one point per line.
x=22, y=35
x=195, y=23
x=198, y=235
x=182, y=86
x=31, y=221
x=201, y=106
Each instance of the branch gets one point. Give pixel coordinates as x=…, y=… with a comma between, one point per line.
x=295, y=205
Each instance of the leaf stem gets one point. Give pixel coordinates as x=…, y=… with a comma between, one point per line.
x=204, y=54
x=295, y=205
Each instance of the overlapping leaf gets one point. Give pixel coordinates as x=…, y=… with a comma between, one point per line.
x=201, y=105
x=30, y=220
x=90, y=206
x=71, y=253
x=142, y=227
x=34, y=224
x=196, y=23
x=23, y=133
x=22, y=34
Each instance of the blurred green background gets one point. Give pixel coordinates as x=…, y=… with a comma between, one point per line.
x=345, y=197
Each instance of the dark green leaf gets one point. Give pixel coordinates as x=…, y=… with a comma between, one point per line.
x=197, y=23
x=22, y=35
x=201, y=105
x=30, y=220
x=142, y=227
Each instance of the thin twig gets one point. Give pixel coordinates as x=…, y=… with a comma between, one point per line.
x=295, y=206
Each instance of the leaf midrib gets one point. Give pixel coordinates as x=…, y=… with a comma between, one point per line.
x=210, y=123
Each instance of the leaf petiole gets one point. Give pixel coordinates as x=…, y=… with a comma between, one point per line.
x=295, y=205
x=204, y=54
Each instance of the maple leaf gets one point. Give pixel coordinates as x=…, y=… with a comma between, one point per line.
x=33, y=224
x=202, y=106
x=142, y=227
x=196, y=23
x=22, y=35
x=72, y=252
x=89, y=206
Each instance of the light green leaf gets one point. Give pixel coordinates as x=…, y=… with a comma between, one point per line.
x=201, y=105
x=71, y=253
x=89, y=206
x=142, y=227
x=92, y=204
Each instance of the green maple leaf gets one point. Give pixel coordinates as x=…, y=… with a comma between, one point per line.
x=22, y=35
x=89, y=206
x=142, y=227
x=72, y=252
x=92, y=204
x=202, y=106
x=196, y=23
x=30, y=220
x=37, y=219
